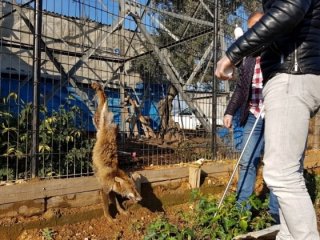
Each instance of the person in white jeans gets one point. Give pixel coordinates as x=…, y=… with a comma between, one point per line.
x=289, y=101
x=287, y=38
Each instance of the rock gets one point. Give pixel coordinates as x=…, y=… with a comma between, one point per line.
x=30, y=211
x=52, y=213
x=268, y=233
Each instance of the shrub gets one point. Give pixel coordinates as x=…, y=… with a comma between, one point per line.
x=64, y=145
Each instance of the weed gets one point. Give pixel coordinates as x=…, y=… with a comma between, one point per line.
x=137, y=226
x=47, y=234
x=161, y=229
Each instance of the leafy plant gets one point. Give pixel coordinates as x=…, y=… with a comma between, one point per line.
x=47, y=234
x=317, y=178
x=161, y=229
x=64, y=145
x=6, y=174
x=206, y=221
x=313, y=185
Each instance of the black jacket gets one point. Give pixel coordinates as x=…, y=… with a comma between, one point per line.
x=288, y=35
x=241, y=96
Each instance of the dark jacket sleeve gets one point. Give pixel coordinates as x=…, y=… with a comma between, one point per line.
x=237, y=96
x=240, y=96
x=281, y=18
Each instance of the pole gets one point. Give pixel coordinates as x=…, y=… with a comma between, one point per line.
x=238, y=162
x=214, y=87
x=124, y=128
x=36, y=92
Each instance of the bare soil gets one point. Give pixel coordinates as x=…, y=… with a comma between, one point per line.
x=130, y=227
x=88, y=223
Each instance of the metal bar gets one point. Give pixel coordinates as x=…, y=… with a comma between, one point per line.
x=123, y=126
x=207, y=68
x=36, y=88
x=58, y=66
x=174, y=44
x=161, y=26
x=167, y=55
x=14, y=10
x=198, y=67
x=84, y=58
x=207, y=8
x=214, y=87
x=172, y=77
x=188, y=24
x=135, y=31
x=78, y=64
x=24, y=46
x=95, y=46
x=175, y=15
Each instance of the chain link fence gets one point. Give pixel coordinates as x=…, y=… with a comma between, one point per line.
x=155, y=62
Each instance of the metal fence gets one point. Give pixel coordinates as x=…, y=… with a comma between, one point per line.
x=155, y=62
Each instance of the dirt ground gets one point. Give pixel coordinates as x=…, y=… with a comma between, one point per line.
x=130, y=227
x=88, y=223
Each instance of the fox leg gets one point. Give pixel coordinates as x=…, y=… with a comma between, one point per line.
x=102, y=100
x=105, y=195
x=114, y=199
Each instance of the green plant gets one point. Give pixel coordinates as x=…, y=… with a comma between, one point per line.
x=206, y=221
x=161, y=229
x=47, y=234
x=317, y=178
x=313, y=185
x=6, y=174
x=64, y=145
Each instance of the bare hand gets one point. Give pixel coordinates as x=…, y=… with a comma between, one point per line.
x=227, y=120
x=224, y=67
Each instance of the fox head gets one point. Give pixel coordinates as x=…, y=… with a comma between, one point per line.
x=126, y=188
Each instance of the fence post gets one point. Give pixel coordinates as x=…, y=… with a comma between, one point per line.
x=194, y=175
x=214, y=87
x=36, y=83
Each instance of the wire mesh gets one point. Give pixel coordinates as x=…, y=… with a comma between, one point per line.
x=155, y=62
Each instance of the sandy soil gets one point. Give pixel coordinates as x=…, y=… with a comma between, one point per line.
x=130, y=227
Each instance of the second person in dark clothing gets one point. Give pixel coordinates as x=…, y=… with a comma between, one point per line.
x=247, y=98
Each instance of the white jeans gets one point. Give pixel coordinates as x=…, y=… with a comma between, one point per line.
x=289, y=100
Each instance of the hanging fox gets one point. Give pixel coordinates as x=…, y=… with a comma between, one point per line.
x=112, y=179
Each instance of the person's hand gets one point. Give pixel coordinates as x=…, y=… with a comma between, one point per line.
x=224, y=70
x=227, y=120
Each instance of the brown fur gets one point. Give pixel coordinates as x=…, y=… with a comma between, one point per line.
x=105, y=162
x=101, y=102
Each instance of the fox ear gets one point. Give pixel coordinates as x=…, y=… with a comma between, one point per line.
x=119, y=180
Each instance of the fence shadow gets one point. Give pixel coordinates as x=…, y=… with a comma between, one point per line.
x=149, y=198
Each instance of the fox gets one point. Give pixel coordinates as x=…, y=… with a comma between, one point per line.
x=111, y=178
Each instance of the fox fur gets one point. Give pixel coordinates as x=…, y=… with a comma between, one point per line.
x=105, y=164
x=102, y=98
